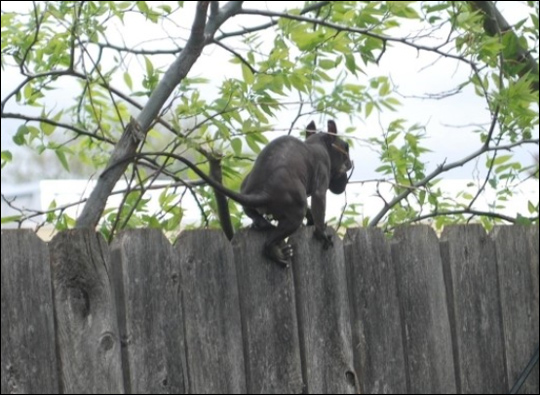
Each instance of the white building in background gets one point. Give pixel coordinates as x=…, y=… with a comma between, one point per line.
x=39, y=196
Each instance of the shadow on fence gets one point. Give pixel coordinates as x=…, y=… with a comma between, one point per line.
x=414, y=314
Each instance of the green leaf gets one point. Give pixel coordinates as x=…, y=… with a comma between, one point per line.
x=502, y=159
x=166, y=8
x=149, y=66
x=22, y=131
x=7, y=156
x=249, y=78
x=62, y=157
x=392, y=138
x=143, y=7
x=299, y=82
x=369, y=108
x=305, y=40
x=7, y=220
x=327, y=64
x=165, y=198
x=521, y=220
x=438, y=7
x=236, y=144
x=532, y=208
x=27, y=91
x=47, y=128
x=252, y=143
x=422, y=197
x=393, y=101
x=385, y=169
x=128, y=81
x=350, y=63
x=385, y=89
x=502, y=168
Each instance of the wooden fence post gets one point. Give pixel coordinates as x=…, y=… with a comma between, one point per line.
x=86, y=322
x=424, y=314
x=375, y=313
x=29, y=363
x=209, y=286
x=474, y=305
x=323, y=314
x=517, y=259
x=269, y=321
x=146, y=279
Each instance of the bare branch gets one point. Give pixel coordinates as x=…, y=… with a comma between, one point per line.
x=311, y=8
x=468, y=211
x=442, y=169
x=237, y=55
x=30, y=78
x=74, y=129
x=148, y=52
x=492, y=165
x=39, y=20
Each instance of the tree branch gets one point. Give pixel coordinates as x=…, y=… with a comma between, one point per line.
x=468, y=211
x=313, y=7
x=442, y=169
x=202, y=33
x=74, y=129
x=58, y=73
x=237, y=55
x=366, y=32
x=496, y=25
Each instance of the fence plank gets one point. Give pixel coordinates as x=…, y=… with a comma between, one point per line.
x=323, y=315
x=88, y=340
x=376, y=321
x=424, y=314
x=269, y=322
x=473, y=293
x=517, y=258
x=146, y=287
x=29, y=363
x=211, y=313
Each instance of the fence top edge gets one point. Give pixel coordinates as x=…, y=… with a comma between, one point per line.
x=349, y=236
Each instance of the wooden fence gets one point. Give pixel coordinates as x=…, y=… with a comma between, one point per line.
x=414, y=314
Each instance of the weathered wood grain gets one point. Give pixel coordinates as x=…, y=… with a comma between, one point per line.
x=29, y=363
x=324, y=318
x=473, y=291
x=146, y=279
x=86, y=321
x=427, y=337
x=209, y=286
x=375, y=313
x=413, y=315
x=517, y=260
x=269, y=321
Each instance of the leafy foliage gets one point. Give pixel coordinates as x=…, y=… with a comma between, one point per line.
x=85, y=69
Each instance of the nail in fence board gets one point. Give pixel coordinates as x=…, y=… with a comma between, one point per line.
x=146, y=282
x=86, y=322
x=323, y=311
x=375, y=313
x=473, y=293
x=29, y=363
x=269, y=321
x=517, y=259
x=215, y=353
x=425, y=324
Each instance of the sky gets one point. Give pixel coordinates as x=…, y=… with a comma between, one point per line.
x=415, y=74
